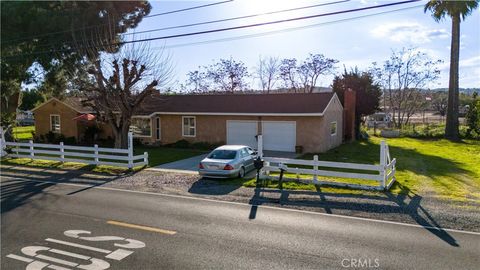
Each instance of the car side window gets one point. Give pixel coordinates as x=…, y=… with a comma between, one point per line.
x=244, y=153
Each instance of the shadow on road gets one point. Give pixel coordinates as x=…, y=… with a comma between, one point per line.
x=16, y=193
x=405, y=203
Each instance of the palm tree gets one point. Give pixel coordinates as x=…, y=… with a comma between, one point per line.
x=457, y=10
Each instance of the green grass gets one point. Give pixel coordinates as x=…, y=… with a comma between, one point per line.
x=23, y=133
x=437, y=167
x=39, y=163
x=161, y=155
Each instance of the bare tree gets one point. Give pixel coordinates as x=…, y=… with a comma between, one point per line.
x=228, y=75
x=288, y=73
x=120, y=79
x=198, y=81
x=268, y=72
x=439, y=102
x=311, y=69
x=402, y=77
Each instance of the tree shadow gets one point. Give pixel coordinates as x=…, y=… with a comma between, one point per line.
x=405, y=203
x=26, y=186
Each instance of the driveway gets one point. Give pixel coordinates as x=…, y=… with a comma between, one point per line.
x=189, y=164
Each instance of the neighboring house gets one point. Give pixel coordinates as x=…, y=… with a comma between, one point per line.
x=379, y=120
x=313, y=122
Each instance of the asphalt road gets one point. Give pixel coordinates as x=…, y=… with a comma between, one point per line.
x=40, y=223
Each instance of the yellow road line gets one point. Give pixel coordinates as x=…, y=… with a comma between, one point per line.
x=140, y=227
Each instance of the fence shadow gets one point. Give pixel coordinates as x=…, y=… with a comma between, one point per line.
x=405, y=203
x=31, y=184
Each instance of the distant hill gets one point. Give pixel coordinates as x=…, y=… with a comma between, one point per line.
x=468, y=91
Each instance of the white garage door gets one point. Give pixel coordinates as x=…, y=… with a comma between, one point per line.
x=242, y=133
x=279, y=136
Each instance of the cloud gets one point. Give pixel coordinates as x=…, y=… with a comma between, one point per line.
x=411, y=32
x=470, y=62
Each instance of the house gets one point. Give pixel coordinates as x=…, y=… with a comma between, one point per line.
x=288, y=122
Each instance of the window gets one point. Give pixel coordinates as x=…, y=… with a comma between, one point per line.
x=157, y=129
x=55, y=123
x=223, y=154
x=188, y=127
x=333, y=128
x=141, y=127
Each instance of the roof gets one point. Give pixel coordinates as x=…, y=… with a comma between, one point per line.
x=286, y=103
x=225, y=104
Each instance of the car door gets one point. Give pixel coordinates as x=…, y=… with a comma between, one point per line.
x=247, y=159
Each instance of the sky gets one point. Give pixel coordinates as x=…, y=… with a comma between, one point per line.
x=354, y=39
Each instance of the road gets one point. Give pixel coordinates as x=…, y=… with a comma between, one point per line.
x=60, y=225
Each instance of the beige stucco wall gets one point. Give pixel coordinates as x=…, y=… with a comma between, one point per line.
x=68, y=127
x=312, y=131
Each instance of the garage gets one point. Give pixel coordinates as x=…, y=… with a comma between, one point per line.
x=279, y=135
x=242, y=132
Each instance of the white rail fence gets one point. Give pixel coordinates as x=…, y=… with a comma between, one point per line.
x=83, y=154
x=383, y=174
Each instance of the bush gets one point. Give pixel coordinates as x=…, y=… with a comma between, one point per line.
x=180, y=144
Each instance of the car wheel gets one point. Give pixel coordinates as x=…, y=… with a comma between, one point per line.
x=241, y=173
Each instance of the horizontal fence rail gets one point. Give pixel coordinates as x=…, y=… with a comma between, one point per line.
x=367, y=176
x=93, y=155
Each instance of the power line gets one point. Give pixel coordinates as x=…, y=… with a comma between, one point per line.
x=227, y=19
x=239, y=27
x=186, y=9
x=265, y=23
x=98, y=25
x=235, y=18
x=284, y=30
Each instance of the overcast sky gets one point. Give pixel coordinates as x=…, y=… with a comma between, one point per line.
x=351, y=40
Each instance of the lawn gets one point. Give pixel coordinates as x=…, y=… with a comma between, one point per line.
x=23, y=133
x=439, y=168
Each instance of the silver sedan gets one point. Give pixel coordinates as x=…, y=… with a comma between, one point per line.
x=228, y=161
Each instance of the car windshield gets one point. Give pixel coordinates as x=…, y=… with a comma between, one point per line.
x=223, y=154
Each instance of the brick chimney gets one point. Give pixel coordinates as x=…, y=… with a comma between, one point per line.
x=349, y=100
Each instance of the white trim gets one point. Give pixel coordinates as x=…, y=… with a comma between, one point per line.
x=330, y=102
x=336, y=128
x=194, y=126
x=158, y=127
x=56, y=99
x=59, y=124
x=142, y=136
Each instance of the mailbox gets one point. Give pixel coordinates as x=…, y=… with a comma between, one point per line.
x=258, y=163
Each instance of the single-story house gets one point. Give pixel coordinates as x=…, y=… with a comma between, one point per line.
x=311, y=121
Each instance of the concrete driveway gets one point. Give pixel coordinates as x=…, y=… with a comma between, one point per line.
x=189, y=164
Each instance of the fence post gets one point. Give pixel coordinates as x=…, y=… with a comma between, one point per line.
x=32, y=155
x=130, y=150
x=62, y=153
x=260, y=145
x=96, y=161
x=3, y=146
x=145, y=158
x=315, y=169
x=383, y=164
